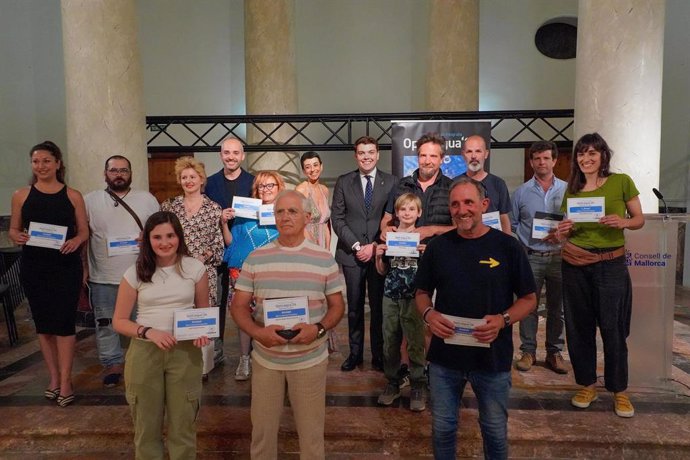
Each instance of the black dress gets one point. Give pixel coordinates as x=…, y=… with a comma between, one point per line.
x=50, y=279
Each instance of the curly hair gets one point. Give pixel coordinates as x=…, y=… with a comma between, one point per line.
x=183, y=163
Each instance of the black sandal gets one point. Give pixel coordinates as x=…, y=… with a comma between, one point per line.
x=52, y=395
x=64, y=401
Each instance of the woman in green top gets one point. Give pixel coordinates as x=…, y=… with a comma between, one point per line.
x=596, y=284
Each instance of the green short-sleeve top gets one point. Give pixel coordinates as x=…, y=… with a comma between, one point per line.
x=617, y=191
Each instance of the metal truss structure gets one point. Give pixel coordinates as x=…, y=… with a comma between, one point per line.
x=337, y=132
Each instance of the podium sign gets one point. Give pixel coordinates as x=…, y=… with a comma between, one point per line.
x=651, y=254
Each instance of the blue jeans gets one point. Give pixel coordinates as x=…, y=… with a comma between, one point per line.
x=103, y=298
x=491, y=389
x=545, y=269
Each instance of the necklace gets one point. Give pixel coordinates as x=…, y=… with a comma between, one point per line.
x=117, y=203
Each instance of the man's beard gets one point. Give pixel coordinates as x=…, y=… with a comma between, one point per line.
x=475, y=167
x=119, y=184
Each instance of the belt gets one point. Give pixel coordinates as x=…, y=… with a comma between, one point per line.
x=532, y=252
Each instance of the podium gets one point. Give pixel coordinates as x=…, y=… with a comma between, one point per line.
x=651, y=256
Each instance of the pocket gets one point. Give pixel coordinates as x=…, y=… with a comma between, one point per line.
x=194, y=404
x=131, y=398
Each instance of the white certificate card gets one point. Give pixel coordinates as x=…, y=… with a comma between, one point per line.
x=46, y=235
x=492, y=219
x=402, y=244
x=586, y=209
x=266, y=216
x=192, y=323
x=463, y=332
x=543, y=223
x=246, y=207
x=286, y=312
x=122, y=245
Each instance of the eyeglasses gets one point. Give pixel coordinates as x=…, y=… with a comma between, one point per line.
x=118, y=171
x=266, y=186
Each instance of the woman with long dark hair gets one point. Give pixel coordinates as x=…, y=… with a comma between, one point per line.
x=597, y=290
x=51, y=276
x=162, y=375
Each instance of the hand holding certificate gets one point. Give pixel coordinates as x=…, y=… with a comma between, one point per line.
x=286, y=312
x=544, y=224
x=463, y=332
x=586, y=209
x=402, y=244
x=192, y=323
x=46, y=235
x=246, y=207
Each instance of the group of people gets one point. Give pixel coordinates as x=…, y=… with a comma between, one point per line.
x=136, y=257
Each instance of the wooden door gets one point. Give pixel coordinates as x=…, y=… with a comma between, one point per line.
x=561, y=170
x=162, y=181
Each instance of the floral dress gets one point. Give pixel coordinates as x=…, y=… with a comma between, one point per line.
x=201, y=233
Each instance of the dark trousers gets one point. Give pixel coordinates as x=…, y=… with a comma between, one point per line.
x=360, y=279
x=598, y=294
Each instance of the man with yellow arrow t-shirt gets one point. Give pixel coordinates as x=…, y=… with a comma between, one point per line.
x=475, y=271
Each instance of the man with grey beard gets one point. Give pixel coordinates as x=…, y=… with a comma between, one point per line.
x=475, y=153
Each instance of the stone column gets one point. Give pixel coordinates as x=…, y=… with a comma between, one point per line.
x=618, y=77
x=271, y=81
x=104, y=90
x=452, y=82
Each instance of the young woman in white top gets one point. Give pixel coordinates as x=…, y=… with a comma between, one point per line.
x=162, y=374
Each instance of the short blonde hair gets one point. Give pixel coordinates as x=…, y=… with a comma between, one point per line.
x=407, y=198
x=263, y=175
x=183, y=163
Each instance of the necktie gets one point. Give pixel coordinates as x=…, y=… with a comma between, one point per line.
x=368, y=192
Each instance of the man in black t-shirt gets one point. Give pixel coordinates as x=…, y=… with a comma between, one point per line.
x=475, y=271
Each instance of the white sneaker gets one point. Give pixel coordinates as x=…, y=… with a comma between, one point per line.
x=244, y=368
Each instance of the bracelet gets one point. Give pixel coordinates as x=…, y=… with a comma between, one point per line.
x=426, y=312
x=143, y=333
x=139, y=331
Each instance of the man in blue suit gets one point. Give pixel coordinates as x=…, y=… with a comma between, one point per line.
x=359, y=199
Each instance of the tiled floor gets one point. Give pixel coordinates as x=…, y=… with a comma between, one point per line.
x=542, y=423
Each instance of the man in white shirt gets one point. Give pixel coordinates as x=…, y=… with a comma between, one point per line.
x=112, y=248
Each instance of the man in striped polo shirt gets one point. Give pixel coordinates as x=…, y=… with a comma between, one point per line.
x=290, y=269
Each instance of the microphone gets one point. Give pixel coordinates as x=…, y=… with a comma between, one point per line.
x=658, y=194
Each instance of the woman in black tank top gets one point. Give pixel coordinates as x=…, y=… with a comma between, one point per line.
x=51, y=273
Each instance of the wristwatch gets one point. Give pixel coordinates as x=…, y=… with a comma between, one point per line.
x=506, y=319
x=356, y=247
x=321, y=330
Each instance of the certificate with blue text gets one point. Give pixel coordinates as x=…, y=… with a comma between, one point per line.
x=492, y=219
x=122, y=245
x=286, y=312
x=586, y=209
x=402, y=244
x=246, y=207
x=463, y=331
x=192, y=323
x=266, y=216
x=46, y=235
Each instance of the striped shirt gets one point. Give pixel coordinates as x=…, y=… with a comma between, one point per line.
x=274, y=271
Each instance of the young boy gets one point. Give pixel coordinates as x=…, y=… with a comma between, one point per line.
x=400, y=315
